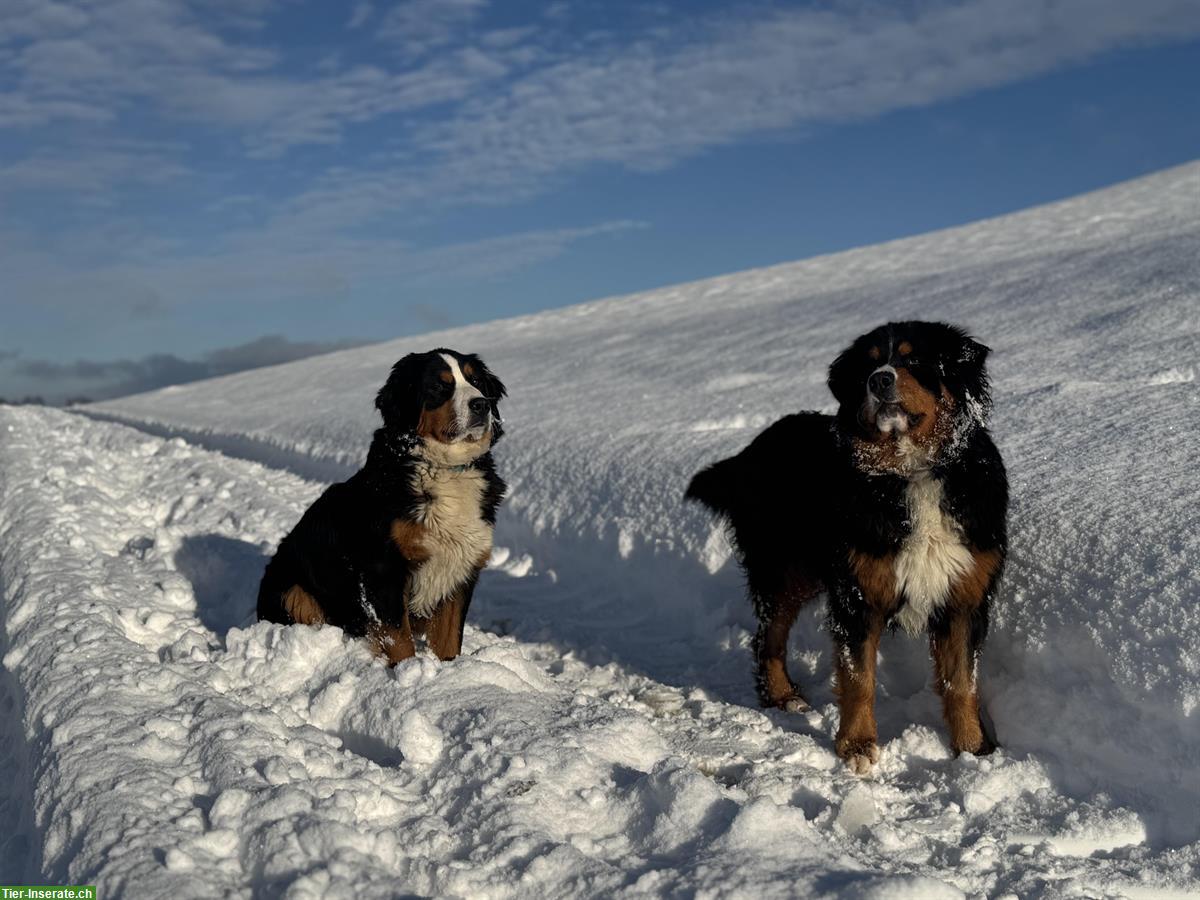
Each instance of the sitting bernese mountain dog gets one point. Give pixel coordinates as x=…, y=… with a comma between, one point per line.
x=396, y=550
x=894, y=508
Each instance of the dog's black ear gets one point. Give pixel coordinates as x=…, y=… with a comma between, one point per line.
x=493, y=389
x=399, y=400
x=964, y=368
x=971, y=353
x=846, y=381
x=975, y=376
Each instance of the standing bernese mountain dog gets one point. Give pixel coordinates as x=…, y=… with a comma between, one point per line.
x=396, y=550
x=894, y=507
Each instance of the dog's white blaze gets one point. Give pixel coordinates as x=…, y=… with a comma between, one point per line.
x=886, y=367
x=456, y=537
x=464, y=393
x=932, y=557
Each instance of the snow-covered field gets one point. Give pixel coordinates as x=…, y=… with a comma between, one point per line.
x=598, y=737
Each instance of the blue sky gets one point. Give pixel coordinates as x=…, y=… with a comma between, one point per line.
x=179, y=179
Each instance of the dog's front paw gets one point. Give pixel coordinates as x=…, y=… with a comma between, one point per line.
x=796, y=704
x=792, y=701
x=860, y=754
x=972, y=738
x=976, y=744
x=987, y=746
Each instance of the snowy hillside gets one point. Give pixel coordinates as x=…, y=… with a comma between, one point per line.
x=599, y=738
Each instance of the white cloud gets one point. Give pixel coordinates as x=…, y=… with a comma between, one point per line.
x=420, y=26
x=102, y=379
x=518, y=113
x=106, y=167
x=96, y=62
x=92, y=61
x=21, y=111
x=260, y=266
x=359, y=15
x=650, y=104
x=520, y=96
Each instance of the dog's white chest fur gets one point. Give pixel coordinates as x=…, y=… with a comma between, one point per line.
x=456, y=536
x=932, y=557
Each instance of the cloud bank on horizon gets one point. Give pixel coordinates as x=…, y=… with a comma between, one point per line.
x=87, y=380
x=165, y=157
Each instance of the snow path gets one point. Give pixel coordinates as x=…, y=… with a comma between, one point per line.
x=178, y=752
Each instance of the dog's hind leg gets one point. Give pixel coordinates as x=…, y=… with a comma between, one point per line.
x=776, y=613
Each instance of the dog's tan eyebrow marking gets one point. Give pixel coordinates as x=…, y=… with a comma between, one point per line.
x=904, y=349
x=875, y=353
x=447, y=376
x=468, y=370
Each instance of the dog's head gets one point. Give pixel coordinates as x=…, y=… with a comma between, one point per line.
x=909, y=393
x=448, y=400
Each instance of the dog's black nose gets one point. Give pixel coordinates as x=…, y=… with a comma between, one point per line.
x=881, y=382
x=478, y=405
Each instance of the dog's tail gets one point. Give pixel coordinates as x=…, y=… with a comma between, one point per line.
x=718, y=486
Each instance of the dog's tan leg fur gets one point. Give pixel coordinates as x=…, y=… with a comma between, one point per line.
x=444, y=631
x=855, y=685
x=854, y=671
x=776, y=688
x=954, y=679
x=394, y=643
x=301, y=607
x=954, y=659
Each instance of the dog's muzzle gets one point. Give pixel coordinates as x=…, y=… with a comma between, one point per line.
x=883, y=402
x=475, y=420
x=891, y=417
x=479, y=413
